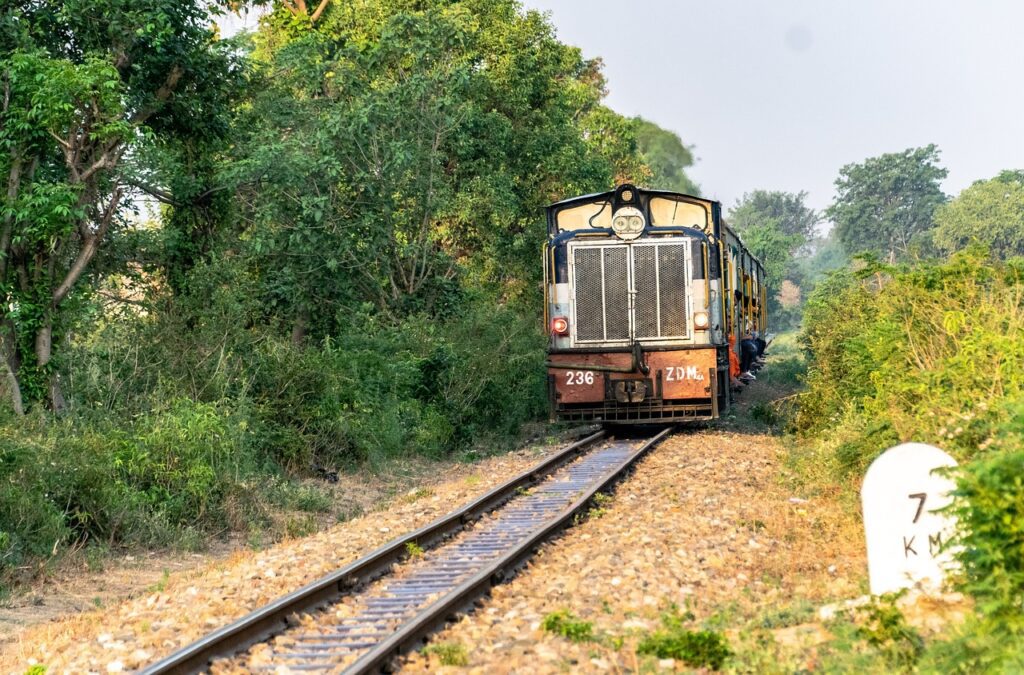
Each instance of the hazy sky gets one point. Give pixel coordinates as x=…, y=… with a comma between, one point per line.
x=780, y=94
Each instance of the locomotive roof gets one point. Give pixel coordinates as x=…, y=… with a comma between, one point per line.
x=610, y=194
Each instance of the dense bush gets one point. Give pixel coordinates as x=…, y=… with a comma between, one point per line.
x=933, y=354
x=126, y=467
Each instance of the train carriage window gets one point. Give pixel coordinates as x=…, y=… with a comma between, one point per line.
x=667, y=212
x=585, y=216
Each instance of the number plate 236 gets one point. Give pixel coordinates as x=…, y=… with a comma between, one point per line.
x=579, y=377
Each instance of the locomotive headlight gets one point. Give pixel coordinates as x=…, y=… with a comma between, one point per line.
x=628, y=222
x=560, y=325
x=701, y=320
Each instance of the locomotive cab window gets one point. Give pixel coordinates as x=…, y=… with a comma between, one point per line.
x=667, y=212
x=585, y=216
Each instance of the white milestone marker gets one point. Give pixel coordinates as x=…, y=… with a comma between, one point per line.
x=904, y=536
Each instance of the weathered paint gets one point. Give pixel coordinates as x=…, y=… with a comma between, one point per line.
x=689, y=374
x=684, y=374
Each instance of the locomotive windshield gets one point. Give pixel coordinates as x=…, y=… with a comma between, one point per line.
x=585, y=216
x=659, y=209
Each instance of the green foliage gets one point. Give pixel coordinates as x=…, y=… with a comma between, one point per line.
x=151, y=481
x=775, y=226
x=989, y=507
x=988, y=213
x=787, y=210
x=699, y=649
x=87, y=87
x=666, y=155
x=933, y=354
x=566, y=624
x=884, y=628
x=449, y=653
x=885, y=204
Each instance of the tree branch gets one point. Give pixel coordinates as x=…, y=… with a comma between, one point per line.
x=319, y=10
x=161, y=95
x=89, y=246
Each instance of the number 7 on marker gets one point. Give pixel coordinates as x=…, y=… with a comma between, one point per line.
x=920, y=506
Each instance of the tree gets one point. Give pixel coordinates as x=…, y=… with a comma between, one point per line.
x=667, y=157
x=774, y=226
x=84, y=85
x=885, y=204
x=400, y=158
x=786, y=209
x=989, y=212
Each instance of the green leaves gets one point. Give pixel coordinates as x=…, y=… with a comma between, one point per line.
x=885, y=204
x=989, y=213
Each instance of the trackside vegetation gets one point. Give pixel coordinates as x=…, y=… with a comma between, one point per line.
x=931, y=352
x=230, y=263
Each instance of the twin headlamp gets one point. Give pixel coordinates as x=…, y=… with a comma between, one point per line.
x=628, y=223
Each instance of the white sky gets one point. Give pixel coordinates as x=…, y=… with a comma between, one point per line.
x=779, y=95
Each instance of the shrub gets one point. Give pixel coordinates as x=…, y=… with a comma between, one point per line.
x=699, y=649
x=449, y=653
x=565, y=623
x=932, y=354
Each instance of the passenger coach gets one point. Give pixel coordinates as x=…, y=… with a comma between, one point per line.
x=643, y=290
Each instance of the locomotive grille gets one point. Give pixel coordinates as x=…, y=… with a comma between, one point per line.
x=601, y=284
x=616, y=293
x=673, y=291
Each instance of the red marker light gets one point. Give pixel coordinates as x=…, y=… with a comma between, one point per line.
x=560, y=325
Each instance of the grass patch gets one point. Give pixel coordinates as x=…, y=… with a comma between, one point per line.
x=567, y=625
x=448, y=653
x=699, y=649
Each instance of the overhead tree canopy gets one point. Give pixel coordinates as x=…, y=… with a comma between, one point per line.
x=885, y=204
x=989, y=212
x=402, y=157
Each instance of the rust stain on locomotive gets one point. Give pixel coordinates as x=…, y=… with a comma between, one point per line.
x=682, y=374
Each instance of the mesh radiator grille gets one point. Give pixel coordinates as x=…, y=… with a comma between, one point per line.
x=673, y=295
x=601, y=282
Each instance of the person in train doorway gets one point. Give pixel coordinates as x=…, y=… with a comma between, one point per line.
x=748, y=353
x=734, y=365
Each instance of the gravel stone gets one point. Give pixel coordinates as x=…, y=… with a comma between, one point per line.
x=703, y=523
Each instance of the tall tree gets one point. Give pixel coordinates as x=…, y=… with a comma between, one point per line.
x=886, y=203
x=786, y=209
x=667, y=157
x=85, y=83
x=774, y=226
x=399, y=158
x=989, y=212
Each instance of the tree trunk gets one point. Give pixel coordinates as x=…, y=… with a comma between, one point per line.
x=44, y=350
x=12, y=362
x=300, y=328
x=13, y=387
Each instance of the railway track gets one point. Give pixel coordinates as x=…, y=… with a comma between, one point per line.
x=358, y=619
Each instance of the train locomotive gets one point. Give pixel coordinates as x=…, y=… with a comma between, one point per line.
x=646, y=291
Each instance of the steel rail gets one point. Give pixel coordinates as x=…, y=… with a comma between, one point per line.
x=411, y=633
x=272, y=619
